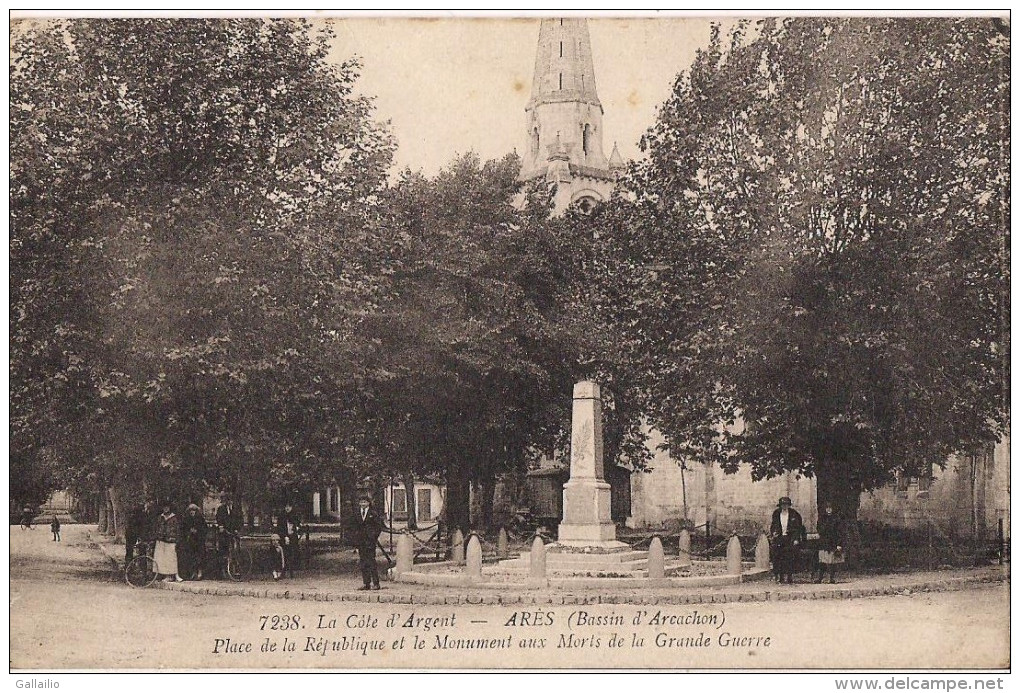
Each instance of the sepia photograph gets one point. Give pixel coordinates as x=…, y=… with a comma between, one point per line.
x=511, y=342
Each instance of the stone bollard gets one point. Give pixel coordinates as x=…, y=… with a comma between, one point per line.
x=685, y=549
x=503, y=543
x=656, y=560
x=457, y=550
x=405, y=555
x=536, y=576
x=474, y=559
x=733, y=556
x=761, y=552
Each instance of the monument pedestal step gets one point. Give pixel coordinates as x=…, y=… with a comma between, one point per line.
x=616, y=561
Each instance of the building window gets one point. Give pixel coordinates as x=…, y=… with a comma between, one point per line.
x=424, y=503
x=399, y=500
x=561, y=81
x=586, y=204
x=902, y=483
x=334, y=500
x=586, y=139
x=561, y=49
x=534, y=141
x=924, y=481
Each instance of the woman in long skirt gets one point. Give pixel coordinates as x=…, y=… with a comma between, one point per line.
x=830, y=545
x=168, y=533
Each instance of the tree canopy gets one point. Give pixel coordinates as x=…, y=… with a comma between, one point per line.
x=191, y=206
x=809, y=270
x=215, y=286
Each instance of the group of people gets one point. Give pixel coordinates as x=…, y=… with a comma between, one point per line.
x=788, y=535
x=180, y=542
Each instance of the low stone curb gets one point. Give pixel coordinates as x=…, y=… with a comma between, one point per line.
x=897, y=586
x=813, y=592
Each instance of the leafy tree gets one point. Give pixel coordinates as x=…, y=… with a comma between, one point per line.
x=471, y=366
x=810, y=270
x=191, y=249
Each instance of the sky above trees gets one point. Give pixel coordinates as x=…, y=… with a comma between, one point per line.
x=453, y=86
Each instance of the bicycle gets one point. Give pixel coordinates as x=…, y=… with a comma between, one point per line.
x=239, y=558
x=141, y=571
x=237, y=564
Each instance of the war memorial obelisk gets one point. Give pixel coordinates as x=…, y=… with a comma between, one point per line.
x=587, y=543
x=587, y=521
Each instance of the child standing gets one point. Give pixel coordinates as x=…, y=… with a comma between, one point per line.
x=55, y=528
x=279, y=560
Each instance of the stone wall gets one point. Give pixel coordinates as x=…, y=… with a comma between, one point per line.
x=965, y=499
x=728, y=501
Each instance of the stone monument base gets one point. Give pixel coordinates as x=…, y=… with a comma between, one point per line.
x=587, y=546
x=610, y=557
x=587, y=534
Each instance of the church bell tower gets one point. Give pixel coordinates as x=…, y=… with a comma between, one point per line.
x=564, y=118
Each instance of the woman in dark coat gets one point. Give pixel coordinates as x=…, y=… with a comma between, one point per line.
x=191, y=549
x=830, y=544
x=788, y=534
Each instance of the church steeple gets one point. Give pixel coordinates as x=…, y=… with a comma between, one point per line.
x=563, y=64
x=564, y=115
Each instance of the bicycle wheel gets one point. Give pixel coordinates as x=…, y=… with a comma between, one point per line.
x=141, y=571
x=239, y=564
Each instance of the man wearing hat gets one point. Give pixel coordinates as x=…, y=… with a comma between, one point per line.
x=288, y=526
x=228, y=526
x=788, y=534
x=366, y=530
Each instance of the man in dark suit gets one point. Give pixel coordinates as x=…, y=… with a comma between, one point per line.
x=288, y=526
x=228, y=526
x=788, y=535
x=366, y=529
x=139, y=526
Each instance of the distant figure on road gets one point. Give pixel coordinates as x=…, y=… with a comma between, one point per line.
x=26, y=518
x=168, y=533
x=55, y=528
x=787, y=533
x=288, y=526
x=366, y=530
x=830, y=544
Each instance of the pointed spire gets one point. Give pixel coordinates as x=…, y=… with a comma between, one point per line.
x=564, y=70
x=558, y=151
x=615, y=160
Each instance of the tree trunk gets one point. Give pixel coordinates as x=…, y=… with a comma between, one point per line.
x=458, y=498
x=476, y=502
x=412, y=509
x=103, y=522
x=836, y=485
x=488, y=500
x=119, y=512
